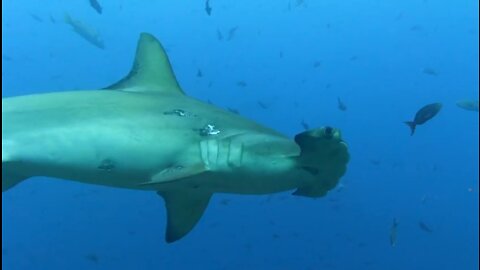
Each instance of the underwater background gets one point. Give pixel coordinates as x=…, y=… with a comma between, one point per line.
x=286, y=64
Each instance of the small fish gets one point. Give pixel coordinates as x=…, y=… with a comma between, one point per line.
x=219, y=35
x=424, y=227
x=199, y=73
x=328, y=85
x=92, y=257
x=353, y=58
x=280, y=54
x=86, y=32
x=469, y=105
x=393, y=233
x=341, y=105
x=52, y=20
x=399, y=16
x=208, y=8
x=423, y=115
x=36, y=17
x=305, y=125
x=416, y=27
x=430, y=71
x=231, y=33
x=262, y=105
x=242, y=84
x=225, y=202
x=235, y=111
x=317, y=64
x=375, y=162
x=95, y=5
x=299, y=3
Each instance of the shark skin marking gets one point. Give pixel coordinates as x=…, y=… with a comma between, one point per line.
x=144, y=133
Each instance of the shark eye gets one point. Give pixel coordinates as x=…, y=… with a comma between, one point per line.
x=329, y=132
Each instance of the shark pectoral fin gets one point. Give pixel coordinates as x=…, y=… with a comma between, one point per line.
x=174, y=173
x=10, y=177
x=151, y=71
x=184, y=210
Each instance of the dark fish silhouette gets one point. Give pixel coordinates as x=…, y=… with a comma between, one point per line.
x=341, y=105
x=92, y=257
x=219, y=35
x=430, y=71
x=95, y=5
x=469, y=105
x=416, y=27
x=375, y=162
x=208, y=8
x=235, y=111
x=305, y=125
x=199, y=73
x=242, y=84
x=231, y=33
x=399, y=16
x=262, y=105
x=36, y=17
x=423, y=115
x=393, y=233
x=424, y=227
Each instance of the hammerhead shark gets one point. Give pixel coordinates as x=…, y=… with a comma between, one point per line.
x=144, y=132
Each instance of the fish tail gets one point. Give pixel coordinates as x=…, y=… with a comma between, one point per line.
x=412, y=126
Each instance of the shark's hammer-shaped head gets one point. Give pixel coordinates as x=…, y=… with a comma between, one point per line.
x=325, y=156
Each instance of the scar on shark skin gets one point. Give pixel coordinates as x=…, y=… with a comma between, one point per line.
x=107, y=165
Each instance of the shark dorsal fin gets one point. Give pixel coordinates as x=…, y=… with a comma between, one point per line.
x=151, y=71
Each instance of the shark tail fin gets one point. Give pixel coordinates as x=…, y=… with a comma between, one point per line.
x=325, y=156
x=412, y=126
x=151, y=71
x=10, y=174
x=184, y=210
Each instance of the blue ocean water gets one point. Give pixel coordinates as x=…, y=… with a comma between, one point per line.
x=285, y=62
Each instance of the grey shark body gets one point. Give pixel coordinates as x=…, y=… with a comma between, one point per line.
x=145, y=133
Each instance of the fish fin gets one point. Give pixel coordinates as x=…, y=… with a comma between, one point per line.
x=325, y=156
x=412, y=126
x=184, y=210
x=151, y=71
x=10, y=174
x=174, y=173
